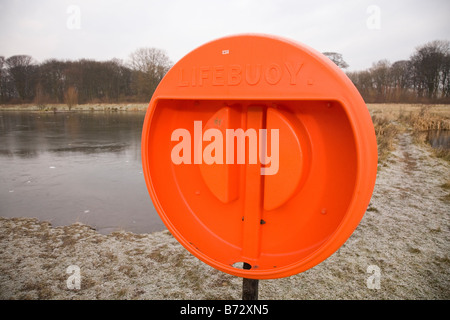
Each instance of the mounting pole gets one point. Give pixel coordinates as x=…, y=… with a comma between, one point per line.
x=249, y=286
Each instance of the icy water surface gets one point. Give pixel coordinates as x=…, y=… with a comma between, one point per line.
x=75, y=167
x=439, y=138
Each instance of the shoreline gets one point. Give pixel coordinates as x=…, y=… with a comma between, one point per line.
x=59, y=107
x=142, y=106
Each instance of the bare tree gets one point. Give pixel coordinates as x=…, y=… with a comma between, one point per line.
x=71, y=97
x=381, y=77
x=22, y=70
x=150, y=65
x=364, y=83
x=2, y=80
x=401, y=77
x=337, y=59
x=445, y=76
x=429, y=63
x=40, y=97
x=52, y=80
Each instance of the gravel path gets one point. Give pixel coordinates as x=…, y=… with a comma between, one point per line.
x=402, y=241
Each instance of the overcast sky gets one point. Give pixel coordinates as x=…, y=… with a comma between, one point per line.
x=362, y=31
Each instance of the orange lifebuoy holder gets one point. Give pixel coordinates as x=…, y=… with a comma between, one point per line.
x=258, y=149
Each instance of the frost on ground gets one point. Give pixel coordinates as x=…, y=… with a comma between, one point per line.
x=404, y=234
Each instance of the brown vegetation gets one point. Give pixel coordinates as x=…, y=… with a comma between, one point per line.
x=23, y=80
x=385, y=131
x=425, y=119
x=424, y=78
x=391, y=119
x=71, y=97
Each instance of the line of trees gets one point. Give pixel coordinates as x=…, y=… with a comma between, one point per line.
x=424, y=78
x=23, y=80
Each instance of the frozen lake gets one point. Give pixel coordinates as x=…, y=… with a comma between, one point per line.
x=68, y=167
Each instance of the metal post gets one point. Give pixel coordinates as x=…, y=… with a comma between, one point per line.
x=249, y=286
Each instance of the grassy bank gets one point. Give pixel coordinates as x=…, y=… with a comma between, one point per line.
x=391, y=119
x=404, y=233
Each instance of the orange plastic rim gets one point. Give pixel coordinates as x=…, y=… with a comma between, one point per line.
x=321, y=174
